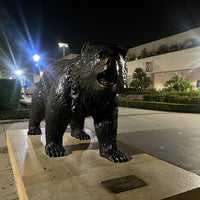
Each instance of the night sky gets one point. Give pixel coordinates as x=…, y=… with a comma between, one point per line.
x=44, y=23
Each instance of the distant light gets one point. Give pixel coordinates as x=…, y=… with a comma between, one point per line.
x=60, y=44
x=18, y=72
x=63, y=46
x=41, y=73
x=36, y=57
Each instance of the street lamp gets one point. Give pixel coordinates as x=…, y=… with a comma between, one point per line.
x=18, y=72
x=63, y=46
x=36, y=76
x=36, y=57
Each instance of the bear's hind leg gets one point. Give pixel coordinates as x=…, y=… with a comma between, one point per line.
x=37, y=114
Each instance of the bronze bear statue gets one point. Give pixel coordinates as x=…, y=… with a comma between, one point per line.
x=72, y=89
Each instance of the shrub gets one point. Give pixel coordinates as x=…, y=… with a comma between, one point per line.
x=10, y=94
x=161, y=106
x=14, y=114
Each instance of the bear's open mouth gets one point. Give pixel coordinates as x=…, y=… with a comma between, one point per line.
x=108, y=78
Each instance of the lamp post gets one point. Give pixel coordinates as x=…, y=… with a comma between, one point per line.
x=36, y=59
x=63, y=46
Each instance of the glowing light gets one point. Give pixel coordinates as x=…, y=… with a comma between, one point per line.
x=36, y=57
x=41, y=73
x=63, y=46
x=18, y=72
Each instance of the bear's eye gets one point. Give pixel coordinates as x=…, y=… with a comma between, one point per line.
x=102, y=54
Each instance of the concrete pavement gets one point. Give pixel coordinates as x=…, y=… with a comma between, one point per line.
x=169, y=136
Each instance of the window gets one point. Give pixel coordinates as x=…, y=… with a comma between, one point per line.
x=198, y=84
x=149, y=66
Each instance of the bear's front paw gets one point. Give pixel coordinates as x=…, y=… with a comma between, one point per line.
x=55, y=150
x=115, y=156
x=81, y=135
x=34, y=131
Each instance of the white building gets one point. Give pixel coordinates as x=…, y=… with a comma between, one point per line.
x=161, y=59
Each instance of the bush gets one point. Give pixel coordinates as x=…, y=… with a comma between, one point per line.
x=161, y=106
x=172, y=97
x=10, y=94
x=15, y=114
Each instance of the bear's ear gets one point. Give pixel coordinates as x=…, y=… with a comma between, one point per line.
x=122, y=49
x=86, y=46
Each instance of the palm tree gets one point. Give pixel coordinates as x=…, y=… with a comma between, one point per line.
x=140, y=80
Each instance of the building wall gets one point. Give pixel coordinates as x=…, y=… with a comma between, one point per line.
x=177, y=39
x=163, y=67
x=191, y=75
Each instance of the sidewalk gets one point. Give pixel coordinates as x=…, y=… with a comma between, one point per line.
x=172, y=137
x=8, y=190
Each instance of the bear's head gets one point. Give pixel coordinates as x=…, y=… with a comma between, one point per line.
x=107, y=63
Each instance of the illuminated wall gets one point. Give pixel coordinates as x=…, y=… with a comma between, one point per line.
x=163, y=67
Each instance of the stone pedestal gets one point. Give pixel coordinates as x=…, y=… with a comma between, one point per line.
x=79, y=175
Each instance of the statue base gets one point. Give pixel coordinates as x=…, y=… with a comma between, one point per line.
x=81, y=174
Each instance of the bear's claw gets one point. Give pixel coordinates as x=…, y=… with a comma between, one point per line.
x=81, y=135
x=55, y=150
x=115, y=156
x=34, y=131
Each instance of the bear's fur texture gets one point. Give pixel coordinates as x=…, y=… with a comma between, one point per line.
x=71, y=90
